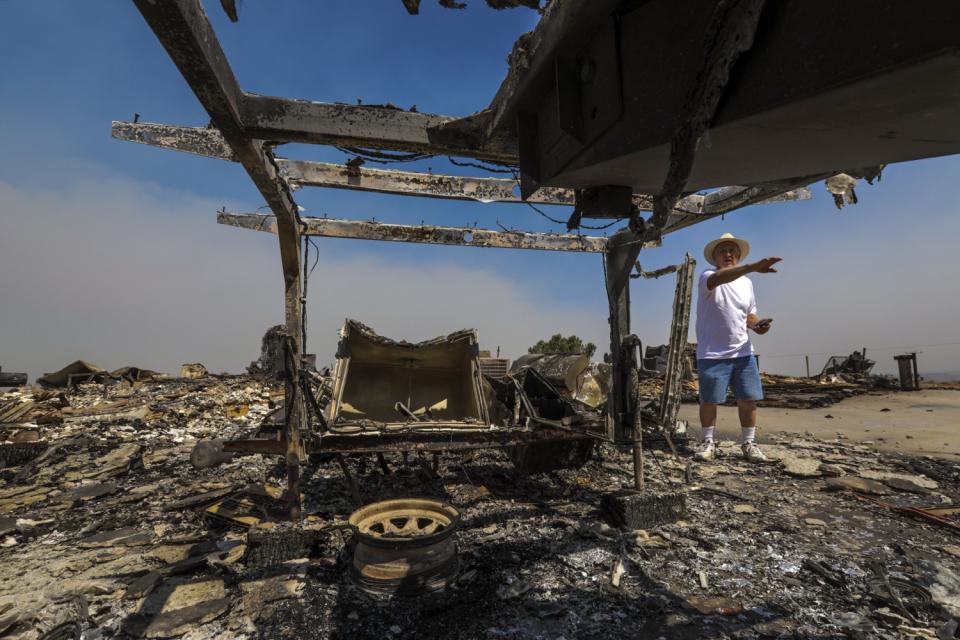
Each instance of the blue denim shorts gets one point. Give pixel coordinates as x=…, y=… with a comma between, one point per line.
x=740, y=373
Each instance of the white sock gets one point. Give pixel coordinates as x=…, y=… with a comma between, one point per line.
x=707, y=433
x=749, y=434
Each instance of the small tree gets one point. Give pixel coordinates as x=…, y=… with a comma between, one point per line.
x=558, y=344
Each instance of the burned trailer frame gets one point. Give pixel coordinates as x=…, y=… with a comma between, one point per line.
x=393, y=396
x=246, y=128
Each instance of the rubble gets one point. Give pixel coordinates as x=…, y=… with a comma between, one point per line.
x=109, y=512
x=8, y=379
x=270, y=363
x=193, y=371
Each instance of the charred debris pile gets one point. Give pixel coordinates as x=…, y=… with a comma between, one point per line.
x=841, y=377
x=106, y=530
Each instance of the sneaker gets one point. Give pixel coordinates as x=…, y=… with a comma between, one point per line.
x=705, y=451
x=752, y=453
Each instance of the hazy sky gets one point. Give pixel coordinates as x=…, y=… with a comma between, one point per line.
x=109, y=251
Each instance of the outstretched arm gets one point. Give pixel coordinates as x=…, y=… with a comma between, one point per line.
x=729, y=274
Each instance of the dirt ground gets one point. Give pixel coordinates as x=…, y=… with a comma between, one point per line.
x=925, y=422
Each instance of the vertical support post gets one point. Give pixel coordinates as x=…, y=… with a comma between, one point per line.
x=623, y=249
x=183, y=29
x=916, y=373
x=807, y=359
x=295, y=403
x=638, y=480
x=623, y=408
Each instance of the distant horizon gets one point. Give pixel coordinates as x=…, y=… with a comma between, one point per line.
x=933, y=376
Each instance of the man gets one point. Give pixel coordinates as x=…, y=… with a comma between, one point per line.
x=726, y=311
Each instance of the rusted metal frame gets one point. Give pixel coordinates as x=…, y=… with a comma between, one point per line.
x=369, y=126
x=183, y=29
x=679, y=328
x=729, y=33
x=388, y=442
x=424, y=234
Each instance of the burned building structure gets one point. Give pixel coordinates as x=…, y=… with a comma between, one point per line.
x=614, y=107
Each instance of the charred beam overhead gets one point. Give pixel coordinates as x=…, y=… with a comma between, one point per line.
x=425, y=234
x=209, y=142
x=302, y=173
x=380, y=127
x=318, y=122
x=730, y=199
x=201, y=141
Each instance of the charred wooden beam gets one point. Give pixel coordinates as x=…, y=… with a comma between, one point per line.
x=623, y=249
x=209, y=142
x=183, y=29
x=200, y=141
x=303, y=173
x=441, y=439
x=730, y=199
x=371, y=126
x=424, y=234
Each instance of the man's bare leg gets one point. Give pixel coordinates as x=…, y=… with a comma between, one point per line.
x=747, y=410
x=708, y=415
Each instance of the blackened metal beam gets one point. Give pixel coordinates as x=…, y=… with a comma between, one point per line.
x=424, y=234
x=372, y=126
x=303, y=173
x=183, y=29
x=209, y=142
x=201, y=141
x=730, y=199
x=623, y=249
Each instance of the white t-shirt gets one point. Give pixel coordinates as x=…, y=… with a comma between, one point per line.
x=722, y=318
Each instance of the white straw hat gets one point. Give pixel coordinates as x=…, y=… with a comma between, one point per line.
x=727, y=237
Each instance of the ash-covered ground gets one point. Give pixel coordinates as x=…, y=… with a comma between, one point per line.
x=105, y=532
